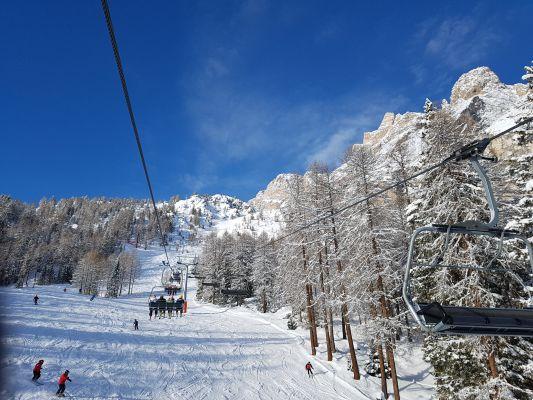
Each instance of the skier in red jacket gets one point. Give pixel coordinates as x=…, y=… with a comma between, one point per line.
x=61, y=382
x=309, y=369
x=37, y=370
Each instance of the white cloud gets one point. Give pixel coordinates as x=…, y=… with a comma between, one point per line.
x=459, y=42
x=350, y=128
x=333, y=149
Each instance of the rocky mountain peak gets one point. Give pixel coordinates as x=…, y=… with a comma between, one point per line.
x=474, y=83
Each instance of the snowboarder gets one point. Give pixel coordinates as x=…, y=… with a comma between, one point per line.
x=61, y=382
x=179, y=306
x=93, y=297
x=135, y=325
x=309, y=369
x=37, y=370
x=35, y=299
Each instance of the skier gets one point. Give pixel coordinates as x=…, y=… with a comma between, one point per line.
x=61, y=382
x=179, y=306
x=35, y=299
x=37, y=370
x=65, y=290
x=162, y=305
x=170, y=306
x=135, y=325
x=151, y=311
x=309, y=369
x=93, y=297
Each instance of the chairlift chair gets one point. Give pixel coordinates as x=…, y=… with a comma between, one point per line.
x=445, y=319
x=235, y=292
x=213, y=284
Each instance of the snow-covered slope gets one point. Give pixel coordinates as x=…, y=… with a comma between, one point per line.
x=211, y=353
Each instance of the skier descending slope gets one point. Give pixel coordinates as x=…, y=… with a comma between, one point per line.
x=35, y=299
x=309, y=369
x=62, y=382
x=37, y=370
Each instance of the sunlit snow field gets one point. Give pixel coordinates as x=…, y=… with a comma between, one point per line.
x=211, y=353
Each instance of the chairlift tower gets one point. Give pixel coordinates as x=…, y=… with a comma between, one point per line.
x=191, y=263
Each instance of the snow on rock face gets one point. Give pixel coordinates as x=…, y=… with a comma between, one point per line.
x=202, y=214
x=474, y=83
x=275, y=195
x=477, y=98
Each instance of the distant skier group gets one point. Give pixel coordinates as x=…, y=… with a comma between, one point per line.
x=166, y=307
x=62, y=381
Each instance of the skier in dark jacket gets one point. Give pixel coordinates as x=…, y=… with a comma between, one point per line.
x=309, y=369
x=37, y=370
x=62, y=382
x=179, y=306
x=170, y=306
x=161, y=305
x=135, y=325
x=35, y=299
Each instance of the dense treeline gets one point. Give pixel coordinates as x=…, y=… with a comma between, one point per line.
x=78, y=239
x=346, y=272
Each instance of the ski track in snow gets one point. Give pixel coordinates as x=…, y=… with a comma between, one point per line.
x=210, y=353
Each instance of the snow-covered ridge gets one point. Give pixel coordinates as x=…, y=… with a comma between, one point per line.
x=201, y=214
x=478, y=95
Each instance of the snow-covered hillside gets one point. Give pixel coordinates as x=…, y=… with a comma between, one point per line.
x=211, y=353
x=221, y=213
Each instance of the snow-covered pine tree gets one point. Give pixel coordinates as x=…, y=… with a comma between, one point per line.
x=367, y=241
x=429, y=108
x=263, y=275
x=528, y=77
x=294, y=259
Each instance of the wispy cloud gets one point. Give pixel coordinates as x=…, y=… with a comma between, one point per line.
x=460, y=42
x=365, y=116
x=235, y=125
x=445, y=45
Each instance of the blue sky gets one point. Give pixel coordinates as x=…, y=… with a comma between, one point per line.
x=227, y=94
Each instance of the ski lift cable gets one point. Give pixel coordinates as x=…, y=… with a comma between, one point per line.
x=475, y=147
x=118, y=62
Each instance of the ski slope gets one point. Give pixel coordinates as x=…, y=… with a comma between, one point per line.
x=211, y=353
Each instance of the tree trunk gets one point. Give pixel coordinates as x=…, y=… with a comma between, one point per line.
x=312, y=336
x=310, y=309
x=491, y=363
x=384, y=389
x=343, y=323
x=264, y=302
x=329, y=338
x=331, y=333
x=353, y=356
x=392, y=366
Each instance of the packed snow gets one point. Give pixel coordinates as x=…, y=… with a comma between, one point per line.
x=210, y=353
